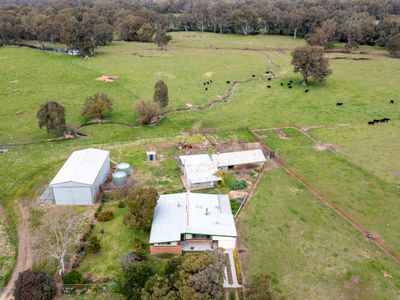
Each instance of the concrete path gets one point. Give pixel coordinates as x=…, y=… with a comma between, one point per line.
x=235, y=284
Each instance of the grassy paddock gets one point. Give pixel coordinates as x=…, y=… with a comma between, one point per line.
x=373, y=148
x=307, y=249
x=369, y=199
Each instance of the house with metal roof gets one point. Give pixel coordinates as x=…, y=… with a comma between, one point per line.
x=79, y=179
x=192, y=222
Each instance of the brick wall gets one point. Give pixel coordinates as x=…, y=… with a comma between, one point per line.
x=165, y=249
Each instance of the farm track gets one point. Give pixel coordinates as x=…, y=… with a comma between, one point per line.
x=325, y=199
x=24, y=258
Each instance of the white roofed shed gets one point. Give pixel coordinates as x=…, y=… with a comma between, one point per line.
x=238, y=158
x=79, y=179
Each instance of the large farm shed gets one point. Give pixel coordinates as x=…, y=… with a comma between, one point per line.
x=79, y=180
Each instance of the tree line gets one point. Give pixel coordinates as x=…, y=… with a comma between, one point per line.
x=86, y=24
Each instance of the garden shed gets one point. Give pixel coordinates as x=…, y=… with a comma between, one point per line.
x=80, y=178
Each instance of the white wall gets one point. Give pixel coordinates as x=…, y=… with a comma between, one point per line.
x=101, y=177
x=225, y=242
x=72, y=195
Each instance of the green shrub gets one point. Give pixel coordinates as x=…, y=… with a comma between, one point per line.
x=121, y=204
x=139, y=248
x=73, y=277
x=93, y=244
x=105, y=216
x=238, y=184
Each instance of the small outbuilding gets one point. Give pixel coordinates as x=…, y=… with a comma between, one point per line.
x=79, y=180
x=199, y=171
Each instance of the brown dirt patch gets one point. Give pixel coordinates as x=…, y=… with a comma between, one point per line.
x=107, y=78
x=320, y=146
x=208, y=74
x=283, y=136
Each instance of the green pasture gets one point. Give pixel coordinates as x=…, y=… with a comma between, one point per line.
x=366, y=197
x=308, y=250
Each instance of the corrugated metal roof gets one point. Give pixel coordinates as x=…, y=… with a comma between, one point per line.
x=176, y=214
x=82, y=166
x=199, y=168
x=239, y=158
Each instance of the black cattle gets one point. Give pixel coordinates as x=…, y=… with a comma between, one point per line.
x=210, y=81
x=376, y=120
x=269, y=78
x=383, y=120
x=391, y=101
x=371, y=123
x=268, y=86
x=306, y=91
x=339, y=104
x=206, y=88
x=204, y=83
x=291, y=81
x=253, y=75
x=281, y=83
x=289, y=86
x=387, y=119
x=228, y=81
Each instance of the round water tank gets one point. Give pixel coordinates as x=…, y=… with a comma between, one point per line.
x=119, y=178
x=124, y=167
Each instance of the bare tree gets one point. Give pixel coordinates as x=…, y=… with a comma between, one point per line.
x=58, y=234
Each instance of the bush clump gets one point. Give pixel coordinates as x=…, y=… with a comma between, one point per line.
x=238, y=184
x=105, y=216
x=73, y=277
x=121, y=204
x=93, y=244
x=34, y=285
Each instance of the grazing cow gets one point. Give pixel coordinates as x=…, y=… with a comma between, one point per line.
x=204, y=83
x=266, y=72
x=228, y=81
x=291, y=81
x=281, y=83
x=391, y=101
x=268, y=86
x=306, y=91
x=289, y=86
x=210, y=80
x=387, y=119
x=371, y=123
x=269, y=78
x=376, y=120
x=339, y=103
x=206, y=88
x=383, y=120
x=253, y=75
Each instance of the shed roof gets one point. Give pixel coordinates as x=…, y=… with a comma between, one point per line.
x=82, y=166
x=239, y=158
x=199, y=168
x=176, y=214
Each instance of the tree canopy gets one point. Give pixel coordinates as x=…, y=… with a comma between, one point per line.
x=52, y=116
x=34, y=286
x=394, y=45
x=141, y=203
x=310, y=61
x=98, y=105
x=161, y=93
